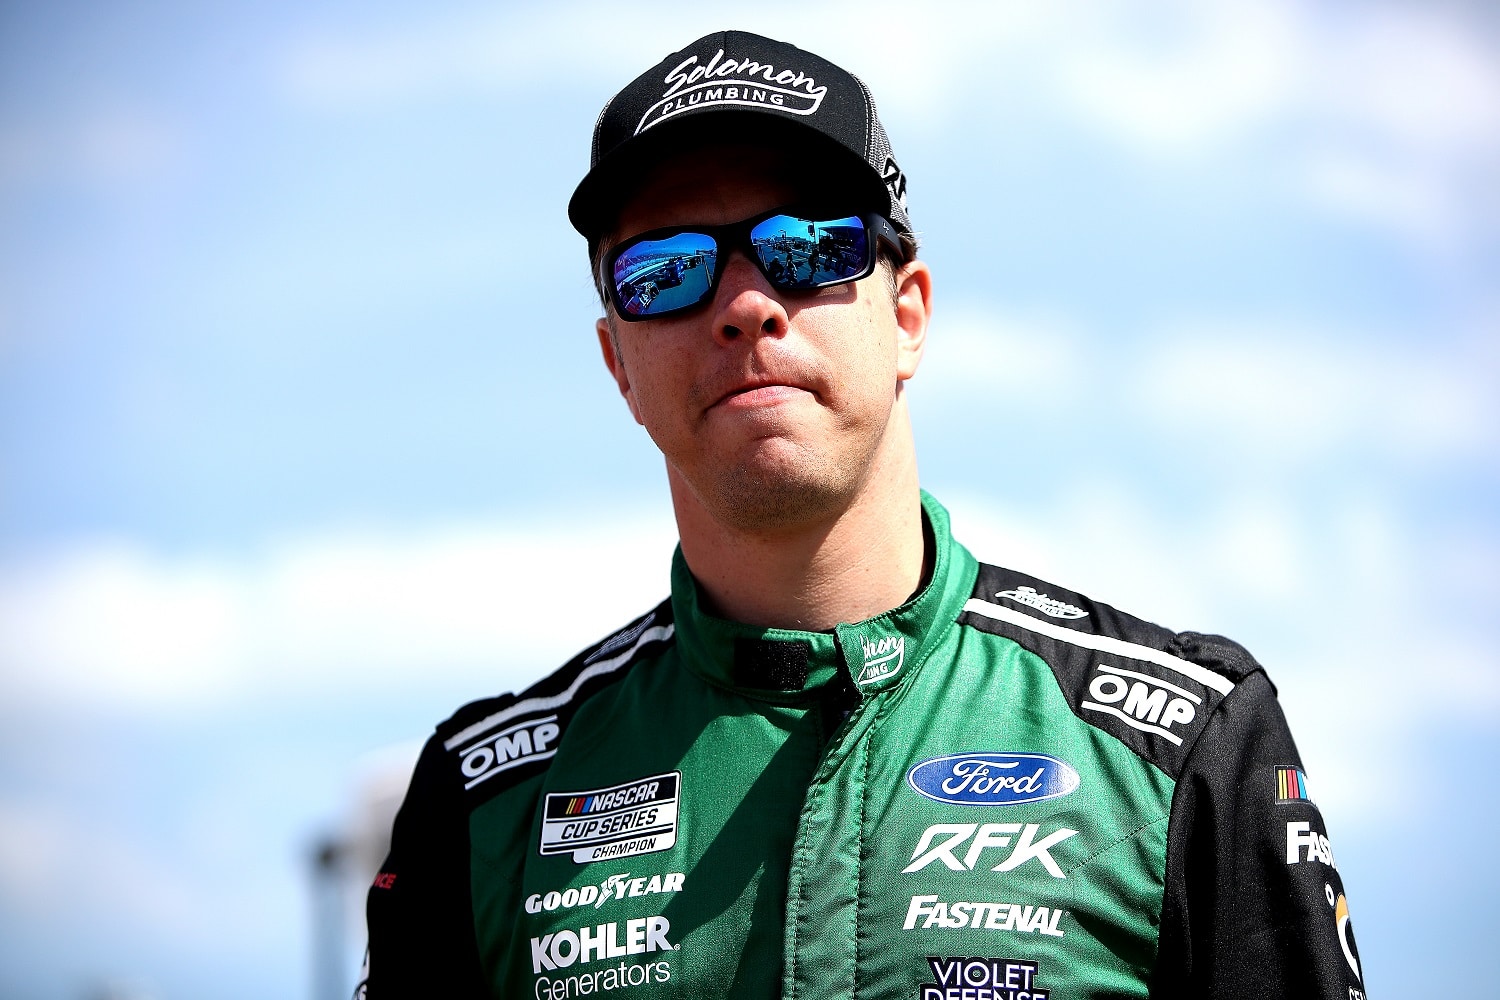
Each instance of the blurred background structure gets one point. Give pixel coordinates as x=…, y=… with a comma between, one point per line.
x=304, y=439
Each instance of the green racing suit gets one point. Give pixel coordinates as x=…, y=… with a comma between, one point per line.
x=1001, y=790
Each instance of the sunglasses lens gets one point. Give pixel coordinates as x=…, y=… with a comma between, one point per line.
x=811, y=253
x=653, y=277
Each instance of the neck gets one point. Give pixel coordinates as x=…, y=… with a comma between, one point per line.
x=857, y=562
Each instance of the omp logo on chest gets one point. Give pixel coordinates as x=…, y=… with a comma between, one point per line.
x=638, y=817
x=1142, y=702
x=526, y=741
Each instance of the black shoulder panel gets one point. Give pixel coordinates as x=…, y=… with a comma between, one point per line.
x=498, y=742
x=1254, y=904
x=1150, y=688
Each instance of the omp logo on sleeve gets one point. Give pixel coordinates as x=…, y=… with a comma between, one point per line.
x=521, y=743
x=1291, y=785
x=993, y=779
x=1142, y=702
x=1046, y=605
x=991, y=978
x=638, y=817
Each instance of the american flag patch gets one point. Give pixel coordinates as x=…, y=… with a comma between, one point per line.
x=1291, y=785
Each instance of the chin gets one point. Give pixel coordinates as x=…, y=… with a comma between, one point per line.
x=780, y=495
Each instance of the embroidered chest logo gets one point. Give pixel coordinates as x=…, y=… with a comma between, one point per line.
x=1046, y=605
x=883, y=658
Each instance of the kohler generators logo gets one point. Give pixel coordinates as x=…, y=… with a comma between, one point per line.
x=745, y=82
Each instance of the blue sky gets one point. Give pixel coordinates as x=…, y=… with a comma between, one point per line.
x=303, y=429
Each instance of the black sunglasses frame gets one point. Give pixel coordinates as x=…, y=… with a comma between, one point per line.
x=736, y=236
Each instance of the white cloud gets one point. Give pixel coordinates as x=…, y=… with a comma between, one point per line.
x=481, y=50
x=1180, y=78
x=1369, y=652
x=973, y=348
x=1303, y=394
x=119, y=625
x=1406, y=124
x=48, y=860
x=1389, y=113
x=1392, y=111
x=1279, y=391
x=111, y=623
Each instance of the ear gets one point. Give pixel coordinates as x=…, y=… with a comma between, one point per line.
x=913, y=313
x=615, y=364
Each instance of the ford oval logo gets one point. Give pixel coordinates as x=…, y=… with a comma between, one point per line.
x=993, y=779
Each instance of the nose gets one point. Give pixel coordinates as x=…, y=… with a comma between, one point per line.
x=746, y=303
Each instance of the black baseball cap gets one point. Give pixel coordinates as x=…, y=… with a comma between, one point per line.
x=734, y=85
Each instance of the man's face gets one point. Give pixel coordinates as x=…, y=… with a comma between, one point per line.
x=770, y=407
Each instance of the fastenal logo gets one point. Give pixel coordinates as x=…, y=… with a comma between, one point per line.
x=522, y=743
x=731, y=81
x=990, y=978
x=934, y=912
x=1149, y=704
x=940, y=840
x=883, y=658
x=638, y=817
x=993, y=779
x=1046, y=605
x=562, y=949
x=615, y=887
x=1306, y=844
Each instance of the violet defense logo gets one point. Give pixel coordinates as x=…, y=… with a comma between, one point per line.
x=993, y=779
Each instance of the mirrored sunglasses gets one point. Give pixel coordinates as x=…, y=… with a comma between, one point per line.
x=668, y=271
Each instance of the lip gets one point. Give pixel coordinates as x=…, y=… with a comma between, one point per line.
x=757, y=393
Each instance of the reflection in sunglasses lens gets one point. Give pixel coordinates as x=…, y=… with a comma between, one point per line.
x=807, y=253
x=657, y=276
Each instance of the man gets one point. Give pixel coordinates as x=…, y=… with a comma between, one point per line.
x=843, y=758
